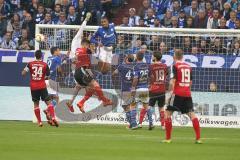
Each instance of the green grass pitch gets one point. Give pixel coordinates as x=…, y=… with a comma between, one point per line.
x=26, y=141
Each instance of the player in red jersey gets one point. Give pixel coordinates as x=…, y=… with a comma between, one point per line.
x=181, y=99
x=158, y=73
x=83, y=74
x=38, y=71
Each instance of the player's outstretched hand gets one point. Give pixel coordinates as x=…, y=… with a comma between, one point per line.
x=88, y=16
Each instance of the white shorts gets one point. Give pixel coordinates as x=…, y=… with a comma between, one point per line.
x=142, y=95
x=105, y=54
x=52, y=87
x=127, y=98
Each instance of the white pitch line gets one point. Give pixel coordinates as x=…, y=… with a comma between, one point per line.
x=119, y=135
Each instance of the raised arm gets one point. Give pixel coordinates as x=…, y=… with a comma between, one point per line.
x=25, y=70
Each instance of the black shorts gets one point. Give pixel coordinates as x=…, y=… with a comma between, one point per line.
x=180, y=104
x=158, y=98
x=82, y=76
x=40, y=94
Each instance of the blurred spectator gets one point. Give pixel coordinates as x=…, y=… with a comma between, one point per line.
x=133, y=18
x=25, y=46
x=189, y=22
x=14, y=22
x=193, y=9
x=25, y=37
x=174, y=22
x=141, y=23
x=95, y=7
x=222, y=24
x=236, y=48
x=122, y=43
x=143, y=10
x=72, y=15
x=209, y=9
x=204, y=47
x=200, y=21
x=160, y=7
x=3, y=26
x=238, y=12
x=149, y=20
x=176, y=8
x=167, y=19
x=194, y=50
x=237, y=24
x=202, y=4
x=5, y=10
x=226, y=10
x=65, y=5
x=187, y=48
x=234, y=4
x=182, y=19
x=62, y=19
x=154, y=43
x=125, y=22
x=157, y=23
x=231, y=22
x=33, y=7
x=218, y=5
x=217, y=47
x=214, y=21
x=47, y=19
x=7, y=42
x=106, y=7
x=56, y=12
x=40, y=14
x=81, y=12
x=163, y=48
x=29, y=25
x=212, y=87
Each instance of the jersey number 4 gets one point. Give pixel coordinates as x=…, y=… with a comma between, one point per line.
x=186, y=75
x=37, y=72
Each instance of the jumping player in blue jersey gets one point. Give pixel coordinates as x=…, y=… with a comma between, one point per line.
x=125, y=71
x=140, y=86
x=107, y=39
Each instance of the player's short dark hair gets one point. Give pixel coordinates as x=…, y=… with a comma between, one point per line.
x=84, y=40
x=140, y=56
x=178, y=53
x=105, y=17
x=53, y=49
x=38, y=54
x=157, y=55
x=130, y=58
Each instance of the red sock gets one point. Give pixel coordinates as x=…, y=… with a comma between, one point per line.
x=196, y=127
x=37, y=114
x=168, y=128
x=162, y=118
x=88, y=94
x=142, y=115
x=99, y=93
x=51, y=111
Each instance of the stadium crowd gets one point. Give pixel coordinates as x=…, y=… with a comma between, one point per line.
x=18, y=19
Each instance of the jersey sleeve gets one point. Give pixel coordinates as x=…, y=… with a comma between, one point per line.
x=173, y=72
x=95, y=35
x=76, y=42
